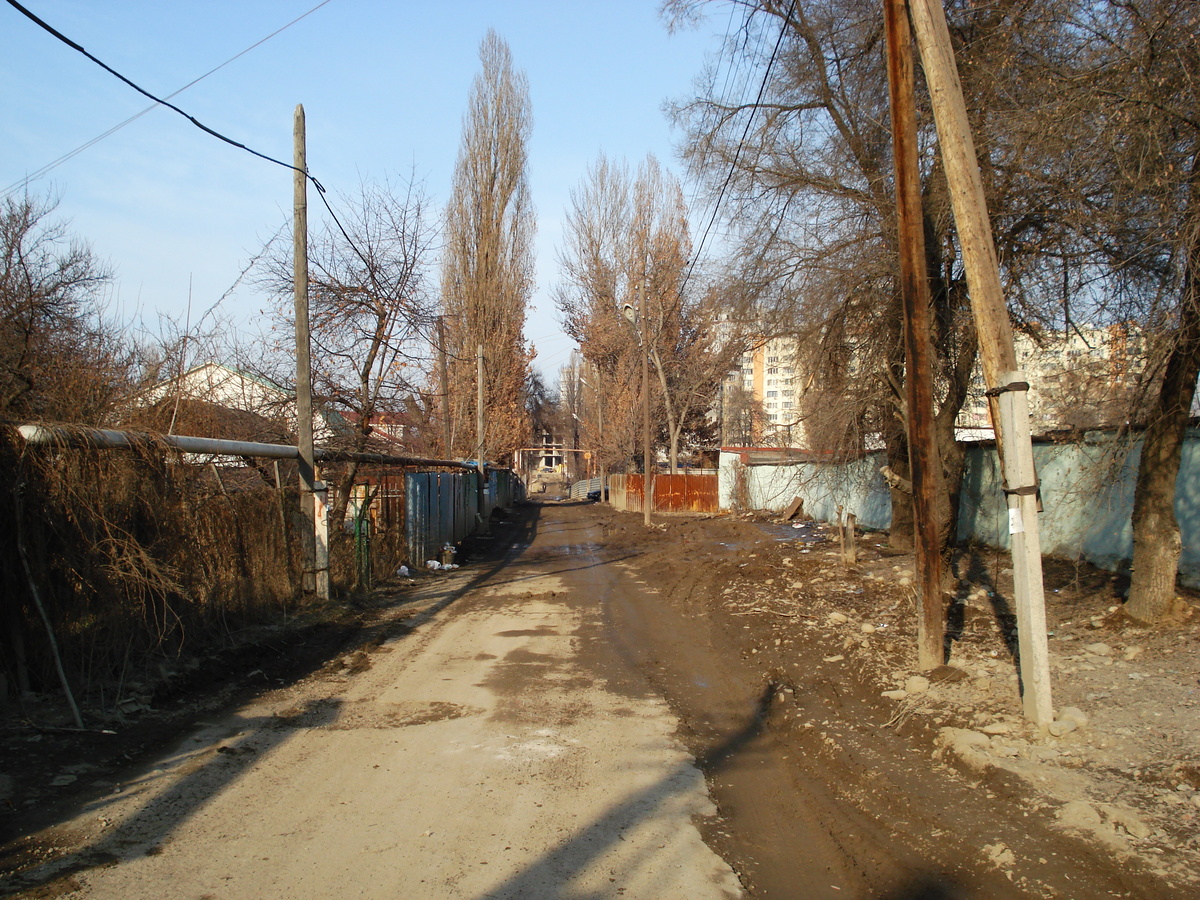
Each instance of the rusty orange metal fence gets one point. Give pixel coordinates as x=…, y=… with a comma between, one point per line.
x=684, y=493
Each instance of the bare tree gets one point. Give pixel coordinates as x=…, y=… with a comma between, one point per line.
x=59, y=358
x=371, y=316
x=807, y=196
x=1148, y=74
x=806, y=173
x=628, y=247
x=487, y=267
x=589, y=299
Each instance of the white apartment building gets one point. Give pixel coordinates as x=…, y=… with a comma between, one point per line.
x=1078, y=379
x=235, y=389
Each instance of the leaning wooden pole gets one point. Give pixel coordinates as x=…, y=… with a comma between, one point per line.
x=924, y=459
x=997, y=353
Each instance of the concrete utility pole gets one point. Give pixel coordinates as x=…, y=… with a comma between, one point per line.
x=1007, y=387
x=924, y=461
x=308, y=539
x=598, y=441
x=637, y=319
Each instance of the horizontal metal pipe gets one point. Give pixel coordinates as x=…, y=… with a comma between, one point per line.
x=386, y=459
x=107, y=439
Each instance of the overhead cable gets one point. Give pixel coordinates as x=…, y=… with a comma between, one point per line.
x=228, y=140
x=75, y=46
x=762, y=88
x=68, y=156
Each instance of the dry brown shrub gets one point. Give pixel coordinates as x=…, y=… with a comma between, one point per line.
x=140, y=558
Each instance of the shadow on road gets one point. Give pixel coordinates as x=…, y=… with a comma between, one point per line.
x=211, y=772
x=552, y=876
x=212, y=769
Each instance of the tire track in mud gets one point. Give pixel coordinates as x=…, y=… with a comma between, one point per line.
x=825, y=800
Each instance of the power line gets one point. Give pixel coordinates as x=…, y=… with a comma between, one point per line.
x=733, y=76
x=71, y=155
x=741, y=143
x=320, y=188
x=228, y=140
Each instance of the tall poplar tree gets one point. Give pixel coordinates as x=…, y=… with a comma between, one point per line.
x=487, y=269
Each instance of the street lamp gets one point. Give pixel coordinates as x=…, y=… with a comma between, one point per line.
x=635, y=316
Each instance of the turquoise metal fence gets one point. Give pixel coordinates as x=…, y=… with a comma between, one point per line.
x=445, y=507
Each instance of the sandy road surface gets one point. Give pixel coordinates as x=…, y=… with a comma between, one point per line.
x=481, y=754
x=517, y=729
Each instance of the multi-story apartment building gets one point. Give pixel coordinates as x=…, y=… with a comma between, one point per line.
x=760, y=401
x=1082, y=378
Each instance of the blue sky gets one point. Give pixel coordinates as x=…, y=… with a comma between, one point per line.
x=384, y=86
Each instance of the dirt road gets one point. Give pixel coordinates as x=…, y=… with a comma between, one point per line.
x=570, y=719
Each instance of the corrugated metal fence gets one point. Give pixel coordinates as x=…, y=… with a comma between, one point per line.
x=683, y=493
x=580, y=489
x=445, y=507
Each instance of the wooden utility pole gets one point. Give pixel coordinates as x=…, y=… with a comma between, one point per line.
x=1006, y=386
x=923, y=456
x=601, y=462
x=648, y=477
x=304, y=429
x=479, y=423
x=444, y=377
x=479, y=405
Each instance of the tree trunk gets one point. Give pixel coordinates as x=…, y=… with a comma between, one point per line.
x=1156, y=539
x=900, y=534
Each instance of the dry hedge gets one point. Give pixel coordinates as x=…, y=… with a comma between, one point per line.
x=138, y=557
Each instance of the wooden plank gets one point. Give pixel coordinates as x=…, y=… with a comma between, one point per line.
x=794, y=509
